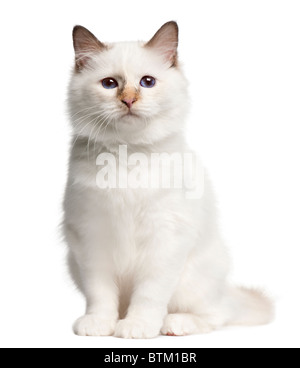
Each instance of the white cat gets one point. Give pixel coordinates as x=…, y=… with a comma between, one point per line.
x=148, y=261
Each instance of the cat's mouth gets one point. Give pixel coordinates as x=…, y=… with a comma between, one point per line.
x=130, y=114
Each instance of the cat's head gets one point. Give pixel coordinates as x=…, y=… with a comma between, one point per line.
x=130, y=92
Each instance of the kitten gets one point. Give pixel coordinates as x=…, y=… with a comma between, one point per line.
x=149, y=261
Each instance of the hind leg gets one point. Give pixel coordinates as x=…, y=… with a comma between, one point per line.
x=198, y=305
x=195, y=313
x=182, y=324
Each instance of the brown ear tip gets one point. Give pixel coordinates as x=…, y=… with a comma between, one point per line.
x=77, y=28
x=173, y=23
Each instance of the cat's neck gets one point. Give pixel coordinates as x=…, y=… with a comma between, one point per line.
x=175, y=142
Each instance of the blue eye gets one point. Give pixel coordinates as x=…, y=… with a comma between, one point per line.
x=148, y=82
x=109, y=83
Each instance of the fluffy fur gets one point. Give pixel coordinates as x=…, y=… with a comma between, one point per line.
x=148, y=261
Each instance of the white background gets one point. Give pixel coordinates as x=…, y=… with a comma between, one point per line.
x=242, y=59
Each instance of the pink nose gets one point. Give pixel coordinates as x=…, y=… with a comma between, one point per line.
x=129, y=102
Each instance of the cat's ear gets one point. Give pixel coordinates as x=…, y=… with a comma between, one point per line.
x=165, y=41
x=85, y=45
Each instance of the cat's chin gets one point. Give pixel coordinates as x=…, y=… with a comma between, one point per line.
x=130, y=115
x=129, y=118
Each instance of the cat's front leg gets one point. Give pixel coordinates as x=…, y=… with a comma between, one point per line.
x=89, y=236
x=93, y=273
x=157, y=276
x=102, y=303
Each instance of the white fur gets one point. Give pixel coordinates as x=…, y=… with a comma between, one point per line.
x=147, y=261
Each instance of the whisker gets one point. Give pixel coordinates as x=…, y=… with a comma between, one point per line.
x=82, y=129
x=85, y=109
x=88, y=144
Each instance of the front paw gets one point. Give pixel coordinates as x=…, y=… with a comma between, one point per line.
x=137, y=329
x=94, y=325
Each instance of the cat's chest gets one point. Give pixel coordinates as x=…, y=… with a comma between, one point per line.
x=124, y=171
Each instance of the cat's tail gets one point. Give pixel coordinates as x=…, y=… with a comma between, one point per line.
x=248, y=307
